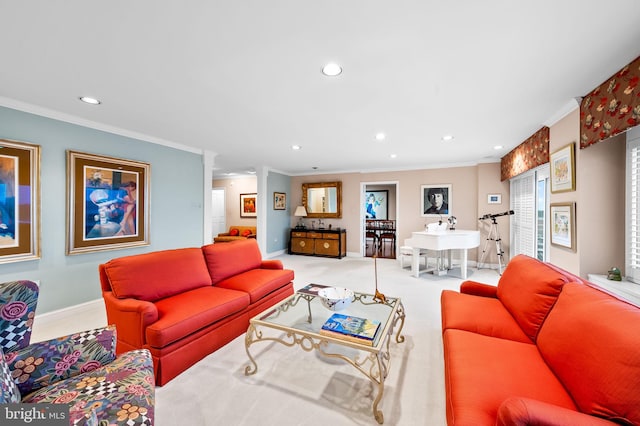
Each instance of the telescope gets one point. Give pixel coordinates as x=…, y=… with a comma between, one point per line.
x=493, y=216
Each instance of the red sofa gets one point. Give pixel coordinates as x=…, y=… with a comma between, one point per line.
x=541, y=348
x=184, y=304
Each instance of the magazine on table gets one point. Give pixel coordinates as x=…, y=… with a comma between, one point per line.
x=312, y=289
x=349, y=327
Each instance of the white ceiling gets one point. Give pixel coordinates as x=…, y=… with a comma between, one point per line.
x=242, y=78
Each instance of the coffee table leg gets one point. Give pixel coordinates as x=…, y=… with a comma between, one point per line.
x=378, y=413
x=248, y=340
x=399, y=317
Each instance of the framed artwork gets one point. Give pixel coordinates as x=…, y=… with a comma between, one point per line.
x=494, y=198
x=248, y=204
x=279, y=201
x=107, y=203
x=435, y=200
x=376, y=204
x=563, y=169
x=19, y=201
x=563, y=225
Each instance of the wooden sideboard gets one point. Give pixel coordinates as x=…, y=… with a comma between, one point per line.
x=319, y=242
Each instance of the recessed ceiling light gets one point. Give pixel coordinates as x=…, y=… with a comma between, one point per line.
x=380, y=136
x=393, y=156
x=447, y=138
x=497, y=147
x=296, y=147
x=332, y=69
x=90, y=100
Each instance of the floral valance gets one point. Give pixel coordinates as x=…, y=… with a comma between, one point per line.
x=528, y=155
x=612, y=107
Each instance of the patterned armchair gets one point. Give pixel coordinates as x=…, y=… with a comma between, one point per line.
x=80, y=369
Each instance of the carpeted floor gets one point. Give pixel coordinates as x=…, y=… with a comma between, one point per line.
x=294, y=387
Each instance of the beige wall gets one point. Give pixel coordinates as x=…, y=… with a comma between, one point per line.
x=599, y=198
x=233, y=189
x=467, y=183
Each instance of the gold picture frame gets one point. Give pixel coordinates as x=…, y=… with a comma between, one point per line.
x=248, y=205
x=563, y=169
x=19, y=201
x=562, y=220
x=279, y=201
x=107, y=203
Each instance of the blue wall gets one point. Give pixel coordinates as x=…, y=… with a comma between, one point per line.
x=176, y=195
x=278, y=221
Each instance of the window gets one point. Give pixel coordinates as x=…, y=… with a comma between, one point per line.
x=529, y=200
x=632, y=249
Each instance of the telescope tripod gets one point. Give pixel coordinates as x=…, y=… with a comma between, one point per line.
x=494, y=235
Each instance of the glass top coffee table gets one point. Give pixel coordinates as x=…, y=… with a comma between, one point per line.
x=297, y=320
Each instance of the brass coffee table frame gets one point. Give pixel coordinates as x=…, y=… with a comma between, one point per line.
x=374, y=363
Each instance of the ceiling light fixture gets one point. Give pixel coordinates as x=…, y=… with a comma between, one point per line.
x=497, y=147
x=296, y=147
x=380, y=136
x=90, y=100
x=447, y=138
x=332, y=69
x=393, y=156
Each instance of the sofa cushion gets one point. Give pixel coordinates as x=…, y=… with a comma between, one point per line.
x=484, y=315
x=591, y=341
x=482, y=371
x=185, y=313
x=234, y=232
x=227, y=260
x=258, y=282
x=246, y=233
x=156, y=275
x=528, y=289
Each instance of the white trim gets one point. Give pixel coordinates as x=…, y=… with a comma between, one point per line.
x=566, y=109
x=56, y=115
x=74, y=311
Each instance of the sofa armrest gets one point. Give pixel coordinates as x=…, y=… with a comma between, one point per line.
x=523, y=411
x=41, y=364
x=271, y=264
x=479, y=289
x=131, y=317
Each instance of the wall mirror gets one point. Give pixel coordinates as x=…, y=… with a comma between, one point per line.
x=322, y=199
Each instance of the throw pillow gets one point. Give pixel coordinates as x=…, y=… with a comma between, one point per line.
x=246, y=232
x=234, y=232
x=8, y=389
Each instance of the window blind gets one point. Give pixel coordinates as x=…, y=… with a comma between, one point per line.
x=632, y=220
x=523, y=203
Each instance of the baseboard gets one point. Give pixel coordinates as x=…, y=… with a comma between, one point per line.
x=76, y=311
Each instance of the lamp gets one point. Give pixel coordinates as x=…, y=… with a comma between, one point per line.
x=300, y=212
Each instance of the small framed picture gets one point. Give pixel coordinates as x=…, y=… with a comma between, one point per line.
x=563, y=225
x=563, y=169
x=248, y=204
x=435, y=200
x=279, y=201
x=494, y=198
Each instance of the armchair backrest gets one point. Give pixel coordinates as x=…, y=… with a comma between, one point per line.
x=18, y=300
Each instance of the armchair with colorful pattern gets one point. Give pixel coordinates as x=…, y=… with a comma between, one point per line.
x=80, y=369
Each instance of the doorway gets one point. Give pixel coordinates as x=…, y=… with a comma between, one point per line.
x=379, y=224
x=218, y=212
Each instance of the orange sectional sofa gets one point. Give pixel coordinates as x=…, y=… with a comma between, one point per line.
x=184, y=304
x=542, y=348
